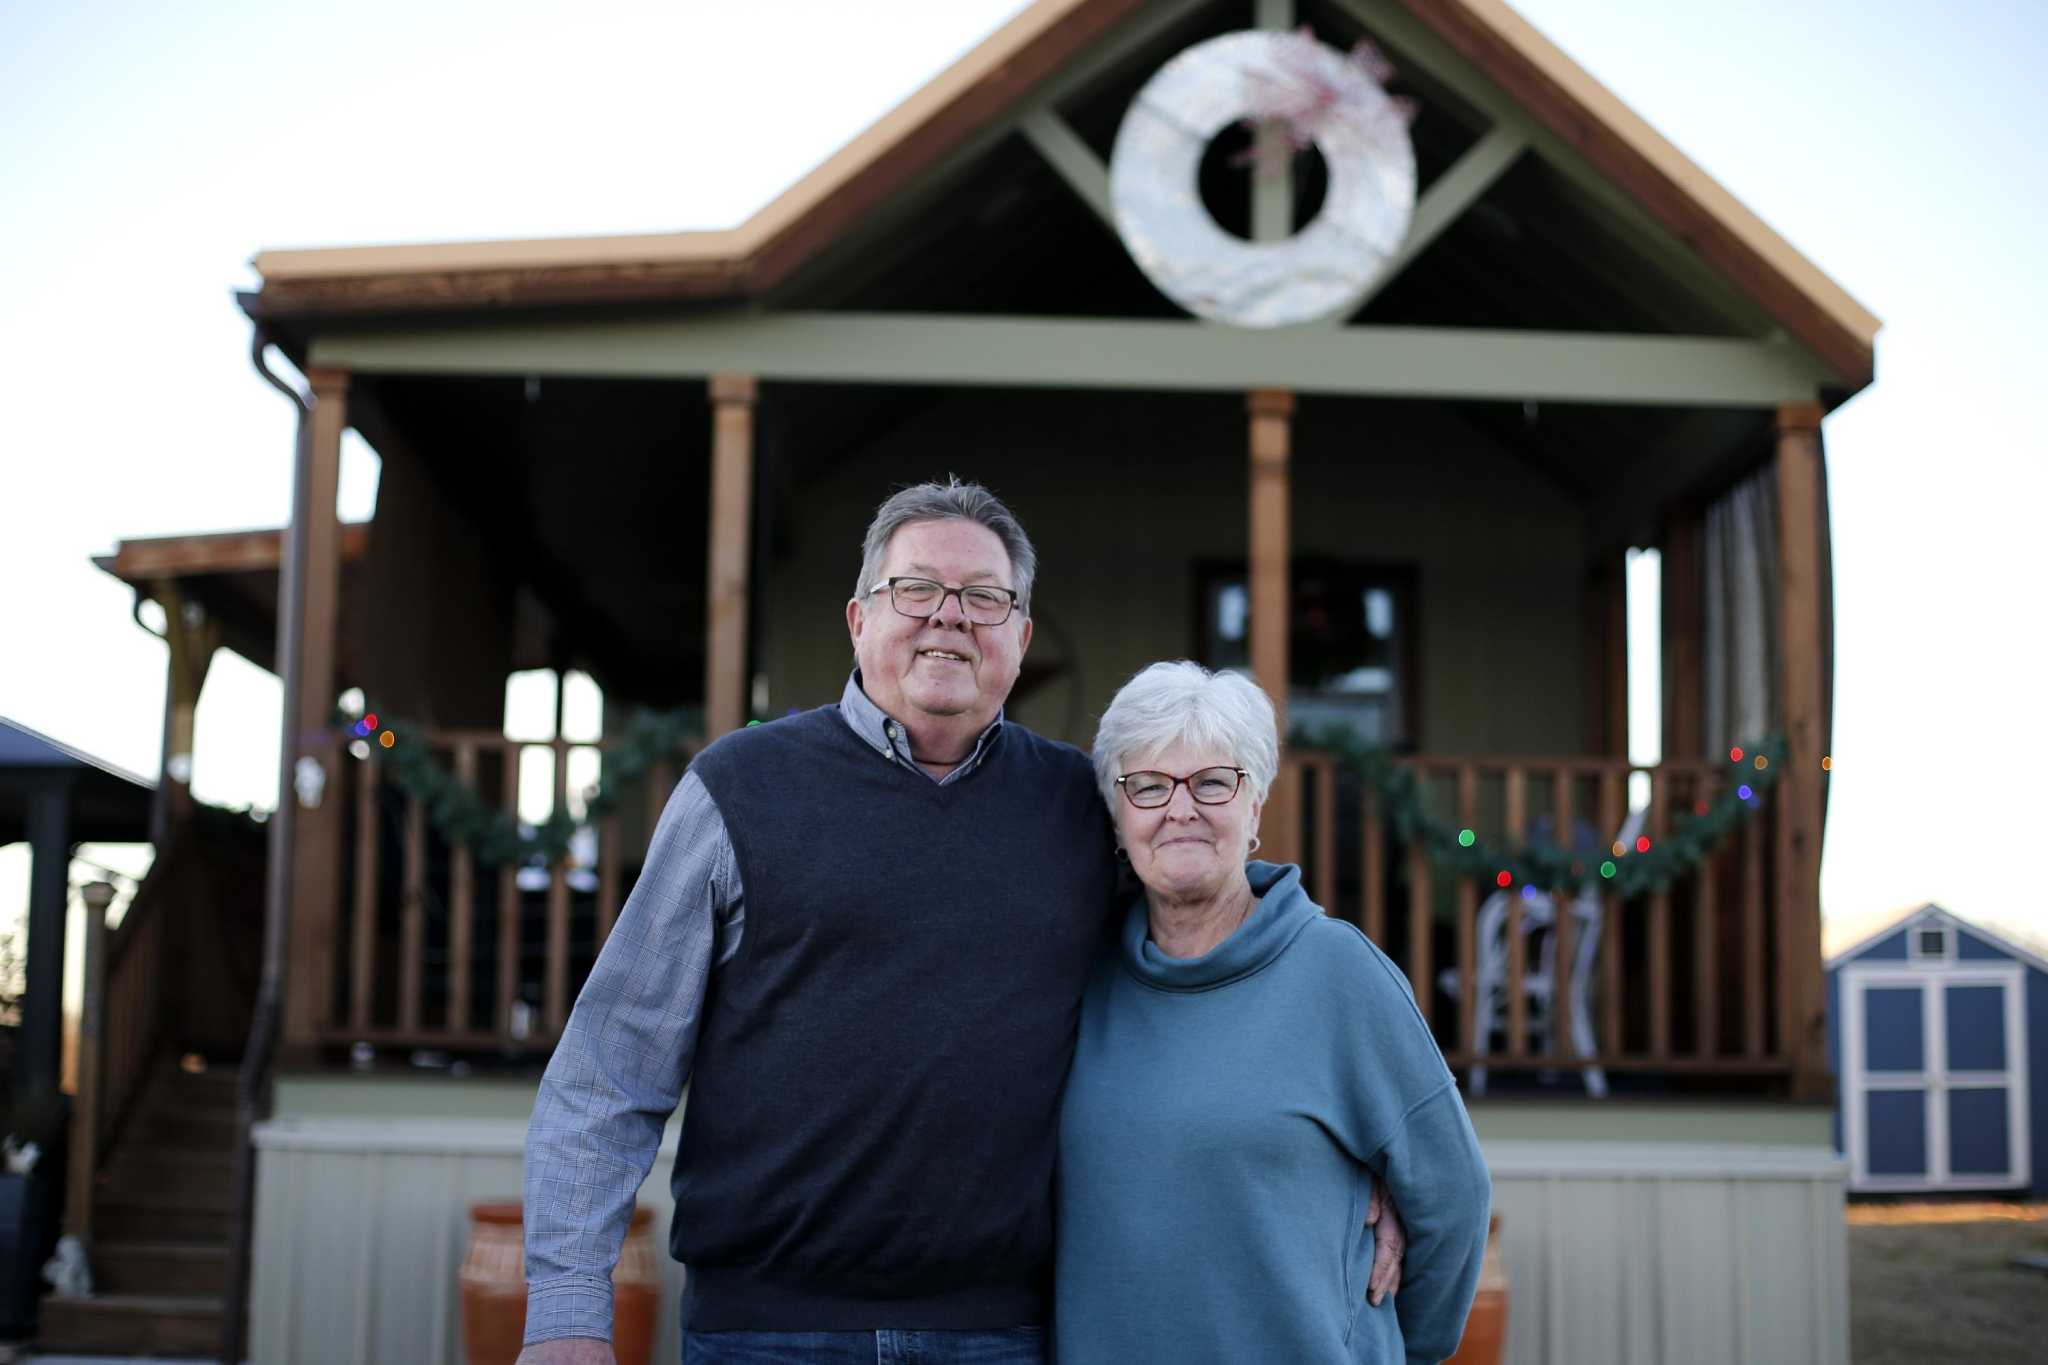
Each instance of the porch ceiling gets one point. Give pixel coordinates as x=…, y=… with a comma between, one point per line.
x=592, y=495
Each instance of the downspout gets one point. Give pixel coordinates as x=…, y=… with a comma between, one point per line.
x=253, y=1088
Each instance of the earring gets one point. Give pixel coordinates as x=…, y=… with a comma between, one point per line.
x=1255, y=845
x=1123, y=855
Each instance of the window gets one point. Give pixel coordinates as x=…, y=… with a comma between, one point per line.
x=1933, y=944
x=1351, y=643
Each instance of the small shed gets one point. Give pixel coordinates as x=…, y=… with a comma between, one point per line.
x=1938, y=1031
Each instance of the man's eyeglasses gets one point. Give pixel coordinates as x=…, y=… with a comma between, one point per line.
x=921, y=597
x=1210, y=787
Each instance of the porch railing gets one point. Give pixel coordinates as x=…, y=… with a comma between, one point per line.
x=440, y=951
x=121, y=1031
x=1682, y=980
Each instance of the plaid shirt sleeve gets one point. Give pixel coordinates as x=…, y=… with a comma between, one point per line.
x=619, y=1069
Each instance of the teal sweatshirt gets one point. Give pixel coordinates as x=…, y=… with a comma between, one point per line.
x=1224, y=1123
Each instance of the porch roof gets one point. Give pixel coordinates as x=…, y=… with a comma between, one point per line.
x=994, y=79
x=233, y=575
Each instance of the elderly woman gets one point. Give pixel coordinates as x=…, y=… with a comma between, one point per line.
x=1249, y=1075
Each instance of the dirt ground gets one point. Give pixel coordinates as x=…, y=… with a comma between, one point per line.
x=1935, y=1283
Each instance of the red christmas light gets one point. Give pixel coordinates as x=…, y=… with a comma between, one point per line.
x=371, y=720
x=1642, y=843
x=1505, y=879
x=1735, y=754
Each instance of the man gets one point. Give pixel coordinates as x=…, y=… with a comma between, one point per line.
x=861, y=935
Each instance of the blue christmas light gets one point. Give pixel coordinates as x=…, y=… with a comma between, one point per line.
x=1744, y=792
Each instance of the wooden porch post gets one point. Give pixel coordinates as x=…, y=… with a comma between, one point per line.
x=191, y=638
x=315, y=870
x=1684, y=628
x=1799, y=813
x=732, y=514
x=1606, y=638
x=81, y=1179
x=1272, y=412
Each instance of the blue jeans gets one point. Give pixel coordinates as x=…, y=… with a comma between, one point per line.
x=1011, y=1346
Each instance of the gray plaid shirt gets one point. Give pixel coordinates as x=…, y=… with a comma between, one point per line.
x=619, y=1070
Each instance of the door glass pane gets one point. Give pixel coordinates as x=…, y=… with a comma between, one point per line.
x=1976, y=1028
x=1896, y=1121
x=1978, y=1132
x=1892, y=1026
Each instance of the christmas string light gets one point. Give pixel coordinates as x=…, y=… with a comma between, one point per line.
x=1636, y=868
x=496, y=836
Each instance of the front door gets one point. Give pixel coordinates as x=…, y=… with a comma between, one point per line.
x=1934, y=1077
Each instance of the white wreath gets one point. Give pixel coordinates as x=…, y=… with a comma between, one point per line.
x=1323, y=270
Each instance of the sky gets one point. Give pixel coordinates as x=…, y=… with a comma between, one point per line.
x=147, y=151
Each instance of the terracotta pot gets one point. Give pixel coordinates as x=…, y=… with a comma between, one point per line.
x=1486, y=1328
x=493, y=1280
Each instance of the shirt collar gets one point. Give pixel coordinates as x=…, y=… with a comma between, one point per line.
x=887, y=737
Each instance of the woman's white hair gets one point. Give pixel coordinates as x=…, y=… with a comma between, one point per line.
x=1168, y=703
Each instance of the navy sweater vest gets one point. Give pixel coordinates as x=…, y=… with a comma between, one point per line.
x=874, y=1110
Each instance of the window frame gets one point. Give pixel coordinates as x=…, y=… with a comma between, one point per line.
x=1401, y=577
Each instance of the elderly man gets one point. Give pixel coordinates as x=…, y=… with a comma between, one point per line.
x=861, y=935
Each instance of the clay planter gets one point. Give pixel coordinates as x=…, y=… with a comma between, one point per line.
x=1486, y=1328
x=493, y=1280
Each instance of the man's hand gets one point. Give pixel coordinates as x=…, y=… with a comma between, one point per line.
x=568, y=1351
x=1389, y=1245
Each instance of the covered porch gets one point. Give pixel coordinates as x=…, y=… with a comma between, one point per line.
x=650, y=459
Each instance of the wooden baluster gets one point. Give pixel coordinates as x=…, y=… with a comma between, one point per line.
x=1753, y=937
x=1374, y=871
x=1610, y=931
x=1421, y=951
x=461, y=904
x=1660, y=925
x=508, y=903
x=1517, y=945
x=557, y=984
x=1468, y=922
x=412, y=927
x=1326, y=834
x=1565, y=934
x=363, y=931
x=1705, y=945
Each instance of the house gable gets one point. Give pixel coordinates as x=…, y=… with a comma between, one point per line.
x=1590, y=157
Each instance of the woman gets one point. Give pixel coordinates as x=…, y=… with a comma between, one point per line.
x=1249, y=1074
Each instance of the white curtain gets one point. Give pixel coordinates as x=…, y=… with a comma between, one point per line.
x=1741, y=645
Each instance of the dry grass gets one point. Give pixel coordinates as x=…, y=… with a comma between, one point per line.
x=1935, y=1282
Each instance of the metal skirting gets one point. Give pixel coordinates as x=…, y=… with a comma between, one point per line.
x=1639, y=1252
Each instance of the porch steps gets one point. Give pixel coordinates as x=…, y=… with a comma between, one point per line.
x=161, y=1214
x=160, y=1324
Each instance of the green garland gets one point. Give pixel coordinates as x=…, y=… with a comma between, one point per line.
x=495, y=836
x=1552, y=867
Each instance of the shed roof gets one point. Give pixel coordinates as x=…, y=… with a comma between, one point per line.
x=1933, y=913
x=993, y=80
x=108, y=803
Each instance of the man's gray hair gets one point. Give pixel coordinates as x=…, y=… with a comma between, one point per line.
x=948, y=501
x=1168, y=703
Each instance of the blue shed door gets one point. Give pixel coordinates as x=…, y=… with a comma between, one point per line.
x=1934, y=1077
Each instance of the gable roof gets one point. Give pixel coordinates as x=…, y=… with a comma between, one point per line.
x=1932, y=913
x=992, y=80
